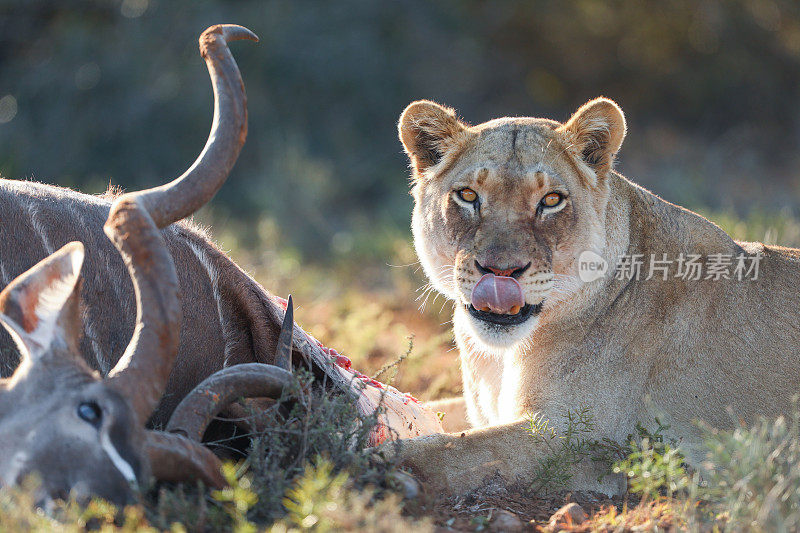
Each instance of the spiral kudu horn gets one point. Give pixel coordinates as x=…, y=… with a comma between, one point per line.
x=251, y=380
x=133, y=226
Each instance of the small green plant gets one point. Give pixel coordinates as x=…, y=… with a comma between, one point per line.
x=317, y=492
x=323, y=501
x=237, y=498
x=567, y=448
x=481, y=522
x=305, y=425
x=317, y=424
x=753, y=475
x=394, y=366
x=750, y=480
x=654, y=468
x=18, y=512
x=574, y=445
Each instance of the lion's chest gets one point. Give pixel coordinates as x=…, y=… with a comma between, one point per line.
x=492, y=390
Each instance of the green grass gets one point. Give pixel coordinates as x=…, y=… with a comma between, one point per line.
x=749, y=482
x=770, y=227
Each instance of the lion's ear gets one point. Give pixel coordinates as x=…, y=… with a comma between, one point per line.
x=597, y=129
x=427, y=131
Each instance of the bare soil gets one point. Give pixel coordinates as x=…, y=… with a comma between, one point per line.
x=478, y=511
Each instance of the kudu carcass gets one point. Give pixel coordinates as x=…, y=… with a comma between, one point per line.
x=60, y=419
x=231, y=327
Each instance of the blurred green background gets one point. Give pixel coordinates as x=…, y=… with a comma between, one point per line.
x=93, y=92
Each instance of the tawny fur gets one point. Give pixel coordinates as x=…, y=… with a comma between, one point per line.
x=713, y=350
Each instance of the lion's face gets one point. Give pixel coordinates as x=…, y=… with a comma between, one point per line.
x=504, y=209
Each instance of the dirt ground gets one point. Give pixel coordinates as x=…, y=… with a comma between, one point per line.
x=496, y=512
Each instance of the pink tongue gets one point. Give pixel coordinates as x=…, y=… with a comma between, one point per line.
x=498, y=294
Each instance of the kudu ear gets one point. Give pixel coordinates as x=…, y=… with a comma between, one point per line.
x=36, y=307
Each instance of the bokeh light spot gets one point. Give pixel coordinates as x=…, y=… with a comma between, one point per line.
x=343, y=242
x=87, y=76
x=544, y=86
x=134, y=8
x=8, y=109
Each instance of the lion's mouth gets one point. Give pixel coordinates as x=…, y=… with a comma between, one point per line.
x=506, y=320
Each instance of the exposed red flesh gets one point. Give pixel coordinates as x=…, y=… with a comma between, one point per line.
x=402, y=415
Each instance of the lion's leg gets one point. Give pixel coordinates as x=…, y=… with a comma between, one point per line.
x=455, y=413
x=461, y=462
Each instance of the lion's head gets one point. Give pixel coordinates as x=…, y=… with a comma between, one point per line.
x=504, y=209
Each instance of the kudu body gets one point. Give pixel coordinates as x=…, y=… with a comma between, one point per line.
x=111, y=303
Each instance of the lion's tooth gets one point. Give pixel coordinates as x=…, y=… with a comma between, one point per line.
x=486, y=309
x=515, y=309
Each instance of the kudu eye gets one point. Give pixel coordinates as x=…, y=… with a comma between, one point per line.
x=90, y=412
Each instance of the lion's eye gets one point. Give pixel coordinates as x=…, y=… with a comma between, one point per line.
x=552, y=199
x=468, y=195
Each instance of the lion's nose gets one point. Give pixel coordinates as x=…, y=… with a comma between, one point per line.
x=511, y=272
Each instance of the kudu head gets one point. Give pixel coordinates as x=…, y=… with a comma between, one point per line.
x=80, y=432
x=59, y=419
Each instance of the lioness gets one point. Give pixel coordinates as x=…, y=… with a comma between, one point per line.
x=525, y=225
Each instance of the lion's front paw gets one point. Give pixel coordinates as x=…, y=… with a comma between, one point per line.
x=423, y=457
